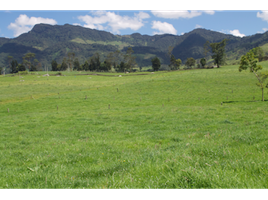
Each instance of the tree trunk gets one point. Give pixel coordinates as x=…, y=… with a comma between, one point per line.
x=262, y=95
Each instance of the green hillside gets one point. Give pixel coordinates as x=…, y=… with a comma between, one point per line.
x=54, y=42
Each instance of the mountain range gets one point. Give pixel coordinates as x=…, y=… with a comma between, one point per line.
x=50, y=42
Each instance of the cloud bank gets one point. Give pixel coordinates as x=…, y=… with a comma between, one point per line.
x=263, y=15
x=180, y=14
x=24, y=24
x=163, y=27
x=113, y=21
x=236, y=32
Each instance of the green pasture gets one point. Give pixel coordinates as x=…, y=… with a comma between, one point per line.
x=202, y=128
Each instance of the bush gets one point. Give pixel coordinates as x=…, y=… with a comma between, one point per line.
x=59, y=73
x=24, y=72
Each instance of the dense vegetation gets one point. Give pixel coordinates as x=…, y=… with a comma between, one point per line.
x=55, y=42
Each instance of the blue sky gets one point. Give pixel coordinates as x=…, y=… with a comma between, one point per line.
x=177, y=20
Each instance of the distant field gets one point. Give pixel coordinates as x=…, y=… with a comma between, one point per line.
x=120, y=44
x=141, y=130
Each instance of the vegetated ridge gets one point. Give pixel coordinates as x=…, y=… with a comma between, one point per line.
x=50, y=42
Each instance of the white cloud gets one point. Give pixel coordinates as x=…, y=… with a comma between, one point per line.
x=180, y=14
x=198, y=26
x=175, y=14
x=210, y=12
x=263, y=15
x=265, y=29
x=182, y=33
x=114, y=21
x=237, y=33
x=24, y=24
x=163, y=27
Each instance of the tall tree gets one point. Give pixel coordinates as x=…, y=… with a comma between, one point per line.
x=54, y=65
x=77, y=64
x=129, y=59
x=190, y=62
x=9, y=58
x=218, y=50
x=95, y=62
x=258, y=52
x=64, y=65
x=206, y=48
x=85, y=66
x=250, y=61
x=117, y=57
x=172, y=62
x=14, y=65
x=27, y=59
x=156, y=64
x=70, y=56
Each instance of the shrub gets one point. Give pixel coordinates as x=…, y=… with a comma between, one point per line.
x=24, y=72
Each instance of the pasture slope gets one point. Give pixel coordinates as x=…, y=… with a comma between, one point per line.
x=159, y=130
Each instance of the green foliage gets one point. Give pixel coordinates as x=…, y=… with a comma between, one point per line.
x=54, y=65
x=258, y=52
x=49, y=43
x=95, y=62
x=23, y=72
x=203, y=62
x=190, y=62
x=156, y=64
x=129, y=59
x=14, y=66
x=64, y=65
x=218, y=52
x=27, y=60
x=250, y=61
x=21, y=67
x=85, y=66
x=77, y=65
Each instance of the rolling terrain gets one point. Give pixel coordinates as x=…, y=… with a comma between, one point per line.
x=50, y=42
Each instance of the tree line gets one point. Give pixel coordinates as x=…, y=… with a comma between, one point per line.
x=122, y=62
x=29, y=62
x=117, y=59
x=218, y=55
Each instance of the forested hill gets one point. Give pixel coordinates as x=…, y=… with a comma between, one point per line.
x=50, y=42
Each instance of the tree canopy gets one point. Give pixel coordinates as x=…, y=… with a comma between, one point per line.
x=250, y=61
x=156, y=64
x=218, y=50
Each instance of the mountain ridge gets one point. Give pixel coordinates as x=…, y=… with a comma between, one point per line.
x=55, y=41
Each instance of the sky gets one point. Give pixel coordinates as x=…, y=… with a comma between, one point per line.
x=136, y=16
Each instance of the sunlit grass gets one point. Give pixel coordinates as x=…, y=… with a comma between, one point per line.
x=162, y=130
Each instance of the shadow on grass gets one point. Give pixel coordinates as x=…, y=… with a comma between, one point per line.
x=242, y=101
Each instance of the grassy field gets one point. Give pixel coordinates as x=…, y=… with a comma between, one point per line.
x=141, y=130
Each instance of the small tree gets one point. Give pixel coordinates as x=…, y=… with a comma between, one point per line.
x=250, y=61
x=156, y=63
x=203, y=62
x=190, y=62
